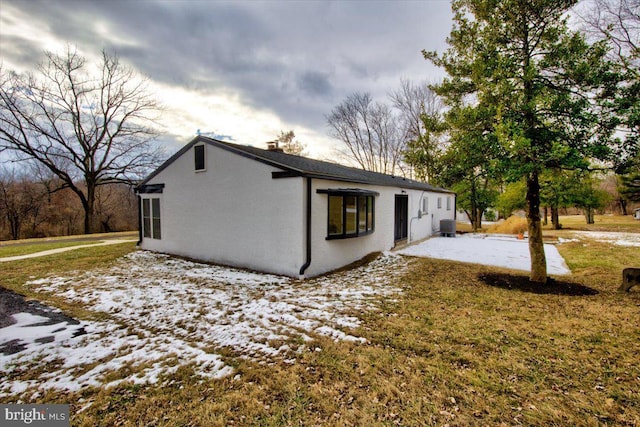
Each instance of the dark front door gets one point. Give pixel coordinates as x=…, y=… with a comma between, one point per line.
x=401, y=217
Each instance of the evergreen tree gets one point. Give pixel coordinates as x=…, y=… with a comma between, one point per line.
x=470, y=164
x=546, y=84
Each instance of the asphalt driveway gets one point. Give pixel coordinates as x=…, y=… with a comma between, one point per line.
x=12, y=303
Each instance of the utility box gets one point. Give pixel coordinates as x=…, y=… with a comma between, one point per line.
x=448, y=227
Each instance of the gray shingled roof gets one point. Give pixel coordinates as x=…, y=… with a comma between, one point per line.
x=305, y=167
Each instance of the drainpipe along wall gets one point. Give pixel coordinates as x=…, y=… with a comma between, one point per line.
x=139, y=221
x=307, y=231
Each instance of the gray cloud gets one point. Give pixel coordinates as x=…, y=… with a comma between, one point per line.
x=315, y=83
x=297, y=59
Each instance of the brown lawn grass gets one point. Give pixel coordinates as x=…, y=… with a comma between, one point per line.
x=452, y=350
x=14, y=274
x=73, y=237
x=617, y=223
x=512, y=225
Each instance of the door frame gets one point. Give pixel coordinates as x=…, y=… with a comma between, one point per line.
x=401, y=217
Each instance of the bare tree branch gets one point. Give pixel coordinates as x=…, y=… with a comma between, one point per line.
x=370, y=133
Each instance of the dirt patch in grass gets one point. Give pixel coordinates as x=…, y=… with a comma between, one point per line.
x=522, y=283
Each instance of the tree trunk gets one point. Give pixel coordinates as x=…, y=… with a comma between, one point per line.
x=474, y=219
x=478, y=224
x=14, y=226
x=474, y=210
x=623, y=206
x=546, y=212
x=588, y=214
x=536, y=246
x=89, y=210
x=555, y=218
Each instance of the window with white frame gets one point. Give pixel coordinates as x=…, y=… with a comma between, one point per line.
x=439, y=202
x=448, y=203
x=425, y=205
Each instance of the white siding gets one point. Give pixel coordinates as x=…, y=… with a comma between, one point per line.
x=441, y=213
x=233, y=213
x=328, y=255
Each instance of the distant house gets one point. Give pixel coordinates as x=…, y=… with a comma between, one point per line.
x=274, y=212
x=636, y=213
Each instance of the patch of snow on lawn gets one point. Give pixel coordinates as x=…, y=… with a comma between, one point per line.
x=615, y=238
x=486, y=249
x=167, y=312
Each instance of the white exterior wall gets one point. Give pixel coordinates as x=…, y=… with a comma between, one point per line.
x=328, y=255
x=232, y=213
x=437, y=213
x=235, y=213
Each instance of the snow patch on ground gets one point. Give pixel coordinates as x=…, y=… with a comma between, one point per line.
x=487, y=249
x=166, y=312
x=614, y=238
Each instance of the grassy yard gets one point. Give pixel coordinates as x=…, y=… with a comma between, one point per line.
x=15, y=273
x=616, y=223
x=24, y=249
x=452, y=349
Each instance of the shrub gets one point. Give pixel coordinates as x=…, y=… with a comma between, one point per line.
x=512, y=225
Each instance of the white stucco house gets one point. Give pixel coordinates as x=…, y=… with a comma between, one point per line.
x=273, y=212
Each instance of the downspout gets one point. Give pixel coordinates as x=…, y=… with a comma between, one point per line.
x=455, y=207
x=308, y=230
x=139, y=220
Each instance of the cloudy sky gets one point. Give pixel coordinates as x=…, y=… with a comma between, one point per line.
x=246, y=69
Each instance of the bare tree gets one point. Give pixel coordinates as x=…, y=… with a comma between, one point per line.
x=116, y=208
x=88, y=128
x=617, y=22
x=413, y=101
x=420, y=119
x=369, y=131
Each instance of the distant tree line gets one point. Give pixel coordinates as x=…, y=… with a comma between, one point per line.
x=33, y=206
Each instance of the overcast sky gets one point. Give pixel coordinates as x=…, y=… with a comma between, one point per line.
x=246, y=69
